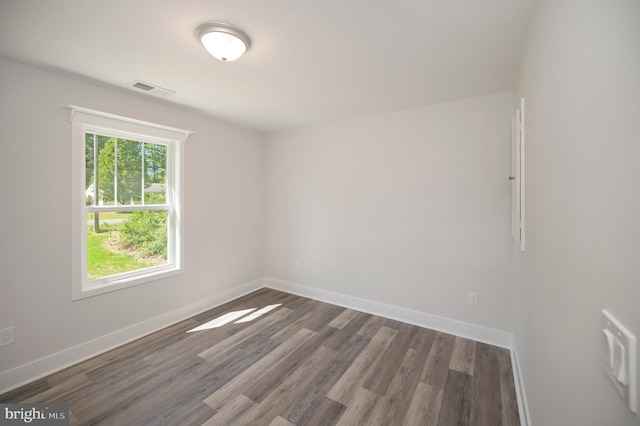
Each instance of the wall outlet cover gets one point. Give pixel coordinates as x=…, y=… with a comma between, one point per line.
x=6, y=336
x=473, y=298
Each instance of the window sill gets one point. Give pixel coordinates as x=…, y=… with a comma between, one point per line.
x=90, y=289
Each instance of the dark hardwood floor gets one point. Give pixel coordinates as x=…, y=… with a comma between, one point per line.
x=303, y=363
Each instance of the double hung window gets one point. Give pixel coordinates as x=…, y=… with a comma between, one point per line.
x=127, y=195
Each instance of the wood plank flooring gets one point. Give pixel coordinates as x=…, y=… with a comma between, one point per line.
x=303, y=362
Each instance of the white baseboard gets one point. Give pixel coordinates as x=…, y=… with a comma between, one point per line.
x=523, y=407
x=34, y=370
x=459, y=328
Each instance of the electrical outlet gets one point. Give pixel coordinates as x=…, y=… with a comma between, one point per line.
x=298, y=266
x=6, y=336
x=472, y=297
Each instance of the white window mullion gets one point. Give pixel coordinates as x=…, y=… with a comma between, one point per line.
x=96, y=192
x=115, y=172
x=142, y=202
x=127, y=208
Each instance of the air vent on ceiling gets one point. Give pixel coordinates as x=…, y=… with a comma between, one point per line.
x=150, y=88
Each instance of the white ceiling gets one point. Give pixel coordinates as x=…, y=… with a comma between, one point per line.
x=311, y=61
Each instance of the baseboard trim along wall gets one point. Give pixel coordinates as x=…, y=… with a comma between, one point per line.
x=523, y=407
x=446, y=325
x=44, y=366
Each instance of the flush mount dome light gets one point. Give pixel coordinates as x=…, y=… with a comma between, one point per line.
x=223, y=41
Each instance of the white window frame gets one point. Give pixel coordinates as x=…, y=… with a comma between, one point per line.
x=84, y=120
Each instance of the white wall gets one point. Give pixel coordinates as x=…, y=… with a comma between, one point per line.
x=410, y=208
x=581, y=78
x=224, y=215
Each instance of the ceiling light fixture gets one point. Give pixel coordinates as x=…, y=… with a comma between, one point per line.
x=223, y=41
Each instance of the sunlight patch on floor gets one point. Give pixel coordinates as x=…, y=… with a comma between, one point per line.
x=233, y=316
x=257, y=313
x=221, y=320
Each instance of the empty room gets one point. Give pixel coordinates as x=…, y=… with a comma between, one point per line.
x=296, y=212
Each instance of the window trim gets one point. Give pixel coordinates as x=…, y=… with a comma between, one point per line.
x=84, y=119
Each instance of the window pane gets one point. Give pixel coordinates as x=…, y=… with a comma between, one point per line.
x=120, y=242
x=129, y=172
x=106, y=170
x=89, y=186
x=155, y=166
